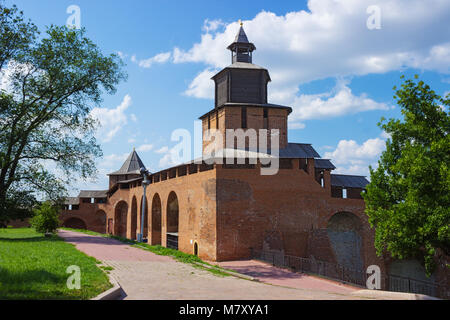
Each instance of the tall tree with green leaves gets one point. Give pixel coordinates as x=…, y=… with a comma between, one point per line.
x=408, y=198
x=48, y=86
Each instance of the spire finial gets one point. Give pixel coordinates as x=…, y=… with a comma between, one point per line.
x=241, y=23
x=134, y=149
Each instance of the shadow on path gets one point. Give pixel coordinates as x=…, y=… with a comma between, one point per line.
x=107, y=249
x=272, y=275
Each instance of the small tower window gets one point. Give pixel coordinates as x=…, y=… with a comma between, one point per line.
x=266, y=119
x=322, y=180
x=217, y=119
x=244, y=118
x=344, y=193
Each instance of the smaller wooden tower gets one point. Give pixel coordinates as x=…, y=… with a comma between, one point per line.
x=241, y=96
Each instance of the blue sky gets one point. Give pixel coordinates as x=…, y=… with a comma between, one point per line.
x=325, y=62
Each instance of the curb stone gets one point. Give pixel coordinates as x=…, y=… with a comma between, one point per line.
x=231, y=273
x=112, y=294
x=389, y=295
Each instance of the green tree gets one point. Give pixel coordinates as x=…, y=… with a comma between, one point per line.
x=50, y=84
x=45, y=219
x=408, y=198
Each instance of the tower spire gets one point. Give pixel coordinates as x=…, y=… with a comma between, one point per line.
x=241, y=49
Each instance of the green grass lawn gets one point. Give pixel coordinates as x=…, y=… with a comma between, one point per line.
x=34, y=267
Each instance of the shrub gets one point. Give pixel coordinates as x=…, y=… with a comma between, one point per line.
x=45, y=219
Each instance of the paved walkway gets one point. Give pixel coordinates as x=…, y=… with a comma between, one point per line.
x=269, y=274
x=147, y=276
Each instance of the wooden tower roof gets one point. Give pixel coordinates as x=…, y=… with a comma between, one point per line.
x=132, y=165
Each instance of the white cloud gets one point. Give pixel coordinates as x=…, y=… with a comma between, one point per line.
x=340, y=101
x=111, y=120
x=131, y=140
x=352, y=158
x=122, y=55
x=439, y=58
x=296, y=126
x=331, y=40
x=14, y=69
x=202, y=86
x=169, y=158
x=113, y=161
x=159, y=58
x=5, y=80
x=385, y=135
x=162, y=150
x=166, y=161
x=145, y=148
x=212, y=25
x=133, y=117
x=108, y=164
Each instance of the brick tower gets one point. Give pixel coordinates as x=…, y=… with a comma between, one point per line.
x=241, y=97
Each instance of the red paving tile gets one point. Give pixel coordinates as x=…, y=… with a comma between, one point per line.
x=269, y=274
x=144, y=275
x=106, y=249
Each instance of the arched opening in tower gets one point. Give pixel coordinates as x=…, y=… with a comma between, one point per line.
x=145, y=217
x=75, y=223
x=156, y=220
x=134, y=219
x=100, y=224
x=344, y=233
x=195, y=249
x=172, y=221
x=120, y=217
